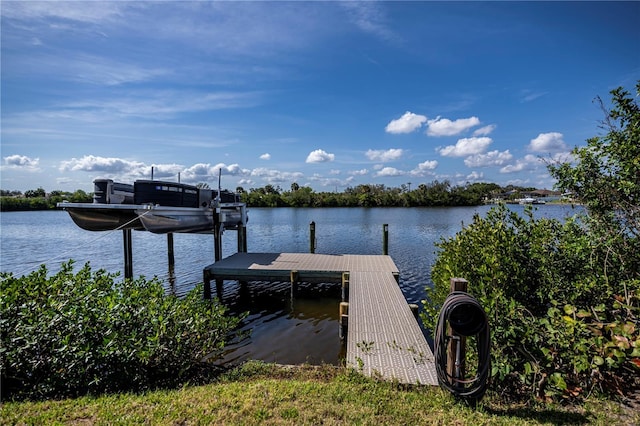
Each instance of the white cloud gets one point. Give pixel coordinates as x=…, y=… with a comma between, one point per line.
x=384, y=155
x=162, y=171
x=276, y=176
x=484, y=131
x=244, y=181
x=334, y=172
x=121, y=169
x=330, y=182
x=406, y=124
x=361, y=172
x=445, y=127
x=491, y=158
x=265, y=156
x=91, y=163
x=428, y=165
x=319, y=156
x=465, y=147
x=475, y=176
x=529, y=162
x=425, y=168
x=206, y=172
x=21, y=162
x=548, y=142
x=389, y=172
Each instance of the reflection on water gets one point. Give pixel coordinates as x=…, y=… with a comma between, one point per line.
x=283, y=330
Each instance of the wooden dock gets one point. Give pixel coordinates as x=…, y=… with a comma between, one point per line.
x=384, y=339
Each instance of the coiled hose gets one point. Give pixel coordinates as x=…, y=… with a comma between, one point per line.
x=467, y=318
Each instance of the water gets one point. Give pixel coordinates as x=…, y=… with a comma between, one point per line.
x=283, y=330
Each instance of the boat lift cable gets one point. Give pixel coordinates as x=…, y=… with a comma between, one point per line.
x=35, y=264
x=466, y=318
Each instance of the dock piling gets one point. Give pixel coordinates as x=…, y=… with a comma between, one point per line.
x=344, y=319
x=385, y=239
x=242, y=238
x=312, y=237
x=345, y=286
x=206, y=279
x=217, y=245
x=128, y=253
x=170, y=253
x=293, y=278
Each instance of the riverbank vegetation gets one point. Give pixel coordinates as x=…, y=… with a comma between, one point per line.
x=38, y=199
x=433, y=194
x=71, y=334
x=563, y=298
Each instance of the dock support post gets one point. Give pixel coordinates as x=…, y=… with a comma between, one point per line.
x=171, y=260
x=241, y=239
x=415, y=310
x=170, y=254
x=312, y=237
x=344, y=320
x=128, y=253
x=456, y=351
x=385, y=239
x=206, y=279
x=217, y=245
x=294, y=277
x=345, y=286
x=244, y=238
x=207, y=276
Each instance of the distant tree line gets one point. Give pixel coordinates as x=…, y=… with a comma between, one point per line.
x=436, y=193
x=38, y=199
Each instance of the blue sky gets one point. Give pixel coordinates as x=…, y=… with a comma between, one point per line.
x=325, y=94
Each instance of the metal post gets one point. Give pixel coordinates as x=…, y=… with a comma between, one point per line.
x=244, y=238
x=312, y=237
x=217, y=244
x=128, y=254
x=171, y=260
x=206, y=279
x=241, y=238
x=385, y=239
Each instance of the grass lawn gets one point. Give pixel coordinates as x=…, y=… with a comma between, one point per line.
x=260, y=393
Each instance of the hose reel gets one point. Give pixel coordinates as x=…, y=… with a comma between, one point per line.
x=461, y=316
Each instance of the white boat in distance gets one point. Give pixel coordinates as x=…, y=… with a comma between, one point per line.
x=530, y=200
x=157, y=206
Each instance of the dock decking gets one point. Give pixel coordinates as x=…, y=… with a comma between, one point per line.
x=383, y=339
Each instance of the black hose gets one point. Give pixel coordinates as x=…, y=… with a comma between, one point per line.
x=467, y=318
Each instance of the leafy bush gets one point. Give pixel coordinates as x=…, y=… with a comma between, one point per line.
x=72, y=334
x=563, y=313
x=563, y=298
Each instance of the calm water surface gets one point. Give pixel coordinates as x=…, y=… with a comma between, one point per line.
x=283, y=330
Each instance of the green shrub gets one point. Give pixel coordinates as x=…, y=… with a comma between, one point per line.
x=71, y=334
x=563, y=312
